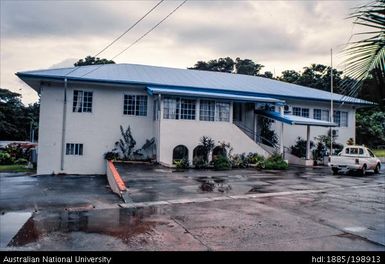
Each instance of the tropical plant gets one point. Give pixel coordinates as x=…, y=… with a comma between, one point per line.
x=182, y=164
x=222, y=163
x=127, y=143
x=208, y=145
x=299, y=149
x=111, y=155
x=366, y=56
x=239, y=161
x=276, y=162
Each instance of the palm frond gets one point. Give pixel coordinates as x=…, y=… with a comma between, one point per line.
x=365, y=55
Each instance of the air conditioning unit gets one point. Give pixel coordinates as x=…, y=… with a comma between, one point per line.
x=287, y=109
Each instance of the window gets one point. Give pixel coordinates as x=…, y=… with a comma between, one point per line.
x=214, y=111
x=179, y=108
x=169, y=108
x=340, y=118
x=371, y=153
x=187, y=109
x=222, y=111
x=135, y=105
x=207, y=110
x=321, y=114
x=74, y=149
x=298, y=111
x=82, y=101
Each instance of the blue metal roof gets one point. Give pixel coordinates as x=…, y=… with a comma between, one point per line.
x=295, y=120
x=212, y=94
x=174, y=78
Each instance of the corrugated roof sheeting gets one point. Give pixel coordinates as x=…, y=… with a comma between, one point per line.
x=173, y=77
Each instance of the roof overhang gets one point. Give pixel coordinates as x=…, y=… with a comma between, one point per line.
x=295, y=120
x=211, y=94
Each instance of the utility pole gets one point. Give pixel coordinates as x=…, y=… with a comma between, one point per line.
x=331, y=101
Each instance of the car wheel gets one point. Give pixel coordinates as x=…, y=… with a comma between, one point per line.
x=377, y=169
x=363, y=171
x=335, y=171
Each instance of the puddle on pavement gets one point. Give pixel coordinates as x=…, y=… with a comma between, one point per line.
x=213, y=184
x=258, y=189
x=10, y=224
x=119, y=223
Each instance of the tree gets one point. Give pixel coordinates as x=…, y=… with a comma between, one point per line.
x=92, y=61
x=15, y=118
x=370, y=127
x=220, y=65
x=247, y=67
x=366, y=57
x=290, y=76
x=127, y=143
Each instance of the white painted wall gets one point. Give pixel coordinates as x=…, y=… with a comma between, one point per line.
x=292, y=132
x=189, y=132
x=97, y=131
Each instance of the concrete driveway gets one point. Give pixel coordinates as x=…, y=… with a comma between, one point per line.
x=299, y=209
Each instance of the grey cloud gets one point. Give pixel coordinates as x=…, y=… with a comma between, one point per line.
x=64, y=18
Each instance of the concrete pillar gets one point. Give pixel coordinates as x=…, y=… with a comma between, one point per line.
x=281, y=111
x=307, y=142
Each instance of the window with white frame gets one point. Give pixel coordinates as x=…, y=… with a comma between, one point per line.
x=135, y=105
x=207, y=110
x=341, y=118
x=222, y=111
x=170, y=108
x=82, y=101
x=214, y=111
x=74, y=149
x=179, y=108
x=321, y=114
x=298, y=111
x=187, y=109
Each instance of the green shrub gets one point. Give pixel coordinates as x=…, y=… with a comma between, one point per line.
x=275, y=162
x=200, y=163
x=111, y=155
x=222, y=163
x=21, y=161
x=299, y=149
x=6, y=159
x=239, y=161
x=181, y=164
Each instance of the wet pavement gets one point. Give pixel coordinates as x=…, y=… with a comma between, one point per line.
x=28, y=192
x=318, y=211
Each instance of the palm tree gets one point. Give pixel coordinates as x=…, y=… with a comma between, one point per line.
x=366, y=57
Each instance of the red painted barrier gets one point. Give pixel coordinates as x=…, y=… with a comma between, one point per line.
x=118, y=179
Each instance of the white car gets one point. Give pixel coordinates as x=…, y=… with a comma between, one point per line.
x=355, y=158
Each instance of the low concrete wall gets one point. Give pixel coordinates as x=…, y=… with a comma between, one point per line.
x=298, y=161
x=115, y=181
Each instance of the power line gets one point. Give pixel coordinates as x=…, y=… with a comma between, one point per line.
x=125, y=32
x=141, y=37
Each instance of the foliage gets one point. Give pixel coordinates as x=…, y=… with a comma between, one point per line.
x=379, y=152
x=208, y=145
x=15, y=168
x=200, y=163
x=276, y=162
x=299, y=149
x=21, y=161
x=370, y=127
x=247, y=67
x=226, y=149
x=320, y=151
x=147, y=148
x=350, y=142
x=182, y=164
x=366, y=57
x=15, y=118
x=222, y=163
x=127, y=143
x=326, y=140
x=6, y=159
x=257, y=160
x=239, y=161
x=220, y=65
x=111, y=155
x=89, y=60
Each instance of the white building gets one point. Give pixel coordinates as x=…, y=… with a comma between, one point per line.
x=82, y=109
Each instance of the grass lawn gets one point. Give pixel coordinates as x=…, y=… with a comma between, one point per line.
x=379, y=152
x=15, y=168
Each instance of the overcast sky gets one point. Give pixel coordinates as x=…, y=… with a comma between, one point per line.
x=281, y=35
